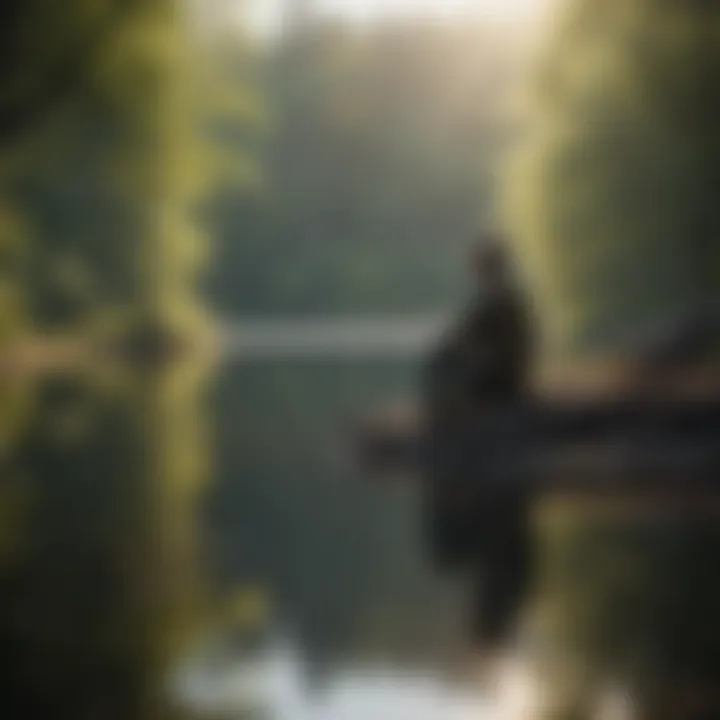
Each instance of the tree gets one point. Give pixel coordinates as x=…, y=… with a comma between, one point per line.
x=612, y=193
x=612, y=197
x=48, y=52
x=109, y=186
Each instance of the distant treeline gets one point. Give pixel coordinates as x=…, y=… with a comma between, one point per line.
x=377, y=164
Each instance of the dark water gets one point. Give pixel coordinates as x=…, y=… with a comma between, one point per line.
x=197, y=542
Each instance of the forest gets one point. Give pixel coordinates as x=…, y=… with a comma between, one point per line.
x=164, y=172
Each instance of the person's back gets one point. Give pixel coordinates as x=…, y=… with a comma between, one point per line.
x=486, y=357
x=496, y=332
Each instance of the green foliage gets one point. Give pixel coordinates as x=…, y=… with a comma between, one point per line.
x=631, y=598
x=613, y=192
x=108, y=184
x=612, y=196
x=48, y=52
x=13, y=267
x=99, y=577
x=102, y=149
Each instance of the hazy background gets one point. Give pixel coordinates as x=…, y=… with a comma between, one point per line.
x=230, y=231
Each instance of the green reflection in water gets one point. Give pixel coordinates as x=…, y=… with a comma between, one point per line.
x=628, y=599
x=101, y=587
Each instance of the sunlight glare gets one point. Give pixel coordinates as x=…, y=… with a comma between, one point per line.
x=369, y=9
x=267, y=15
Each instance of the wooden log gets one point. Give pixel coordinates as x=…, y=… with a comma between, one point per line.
x=595, y=446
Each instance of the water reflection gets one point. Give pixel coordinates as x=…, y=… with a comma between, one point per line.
x=340, y=554
x=274, y=684
x=100, y=584
x=184, y=544
x=161, y=529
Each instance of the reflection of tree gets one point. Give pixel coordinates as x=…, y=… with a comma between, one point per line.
x=631, y=598
x=107, y=588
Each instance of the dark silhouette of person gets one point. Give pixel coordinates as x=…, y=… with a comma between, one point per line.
x=485, y=358
x=480, y=367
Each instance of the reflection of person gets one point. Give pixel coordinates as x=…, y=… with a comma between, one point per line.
x=480, y=366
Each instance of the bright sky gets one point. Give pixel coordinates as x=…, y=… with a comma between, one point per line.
x=378, y=8
x=267, y=14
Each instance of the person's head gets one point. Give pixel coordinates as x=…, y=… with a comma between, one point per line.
x=490, y=261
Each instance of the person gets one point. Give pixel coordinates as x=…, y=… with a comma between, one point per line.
x=486, y=357
x=480, y=366
x=494, y=334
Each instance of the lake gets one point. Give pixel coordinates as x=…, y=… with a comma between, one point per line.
x=147, y=514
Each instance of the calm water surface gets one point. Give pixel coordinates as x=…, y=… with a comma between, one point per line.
x=164, y=535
